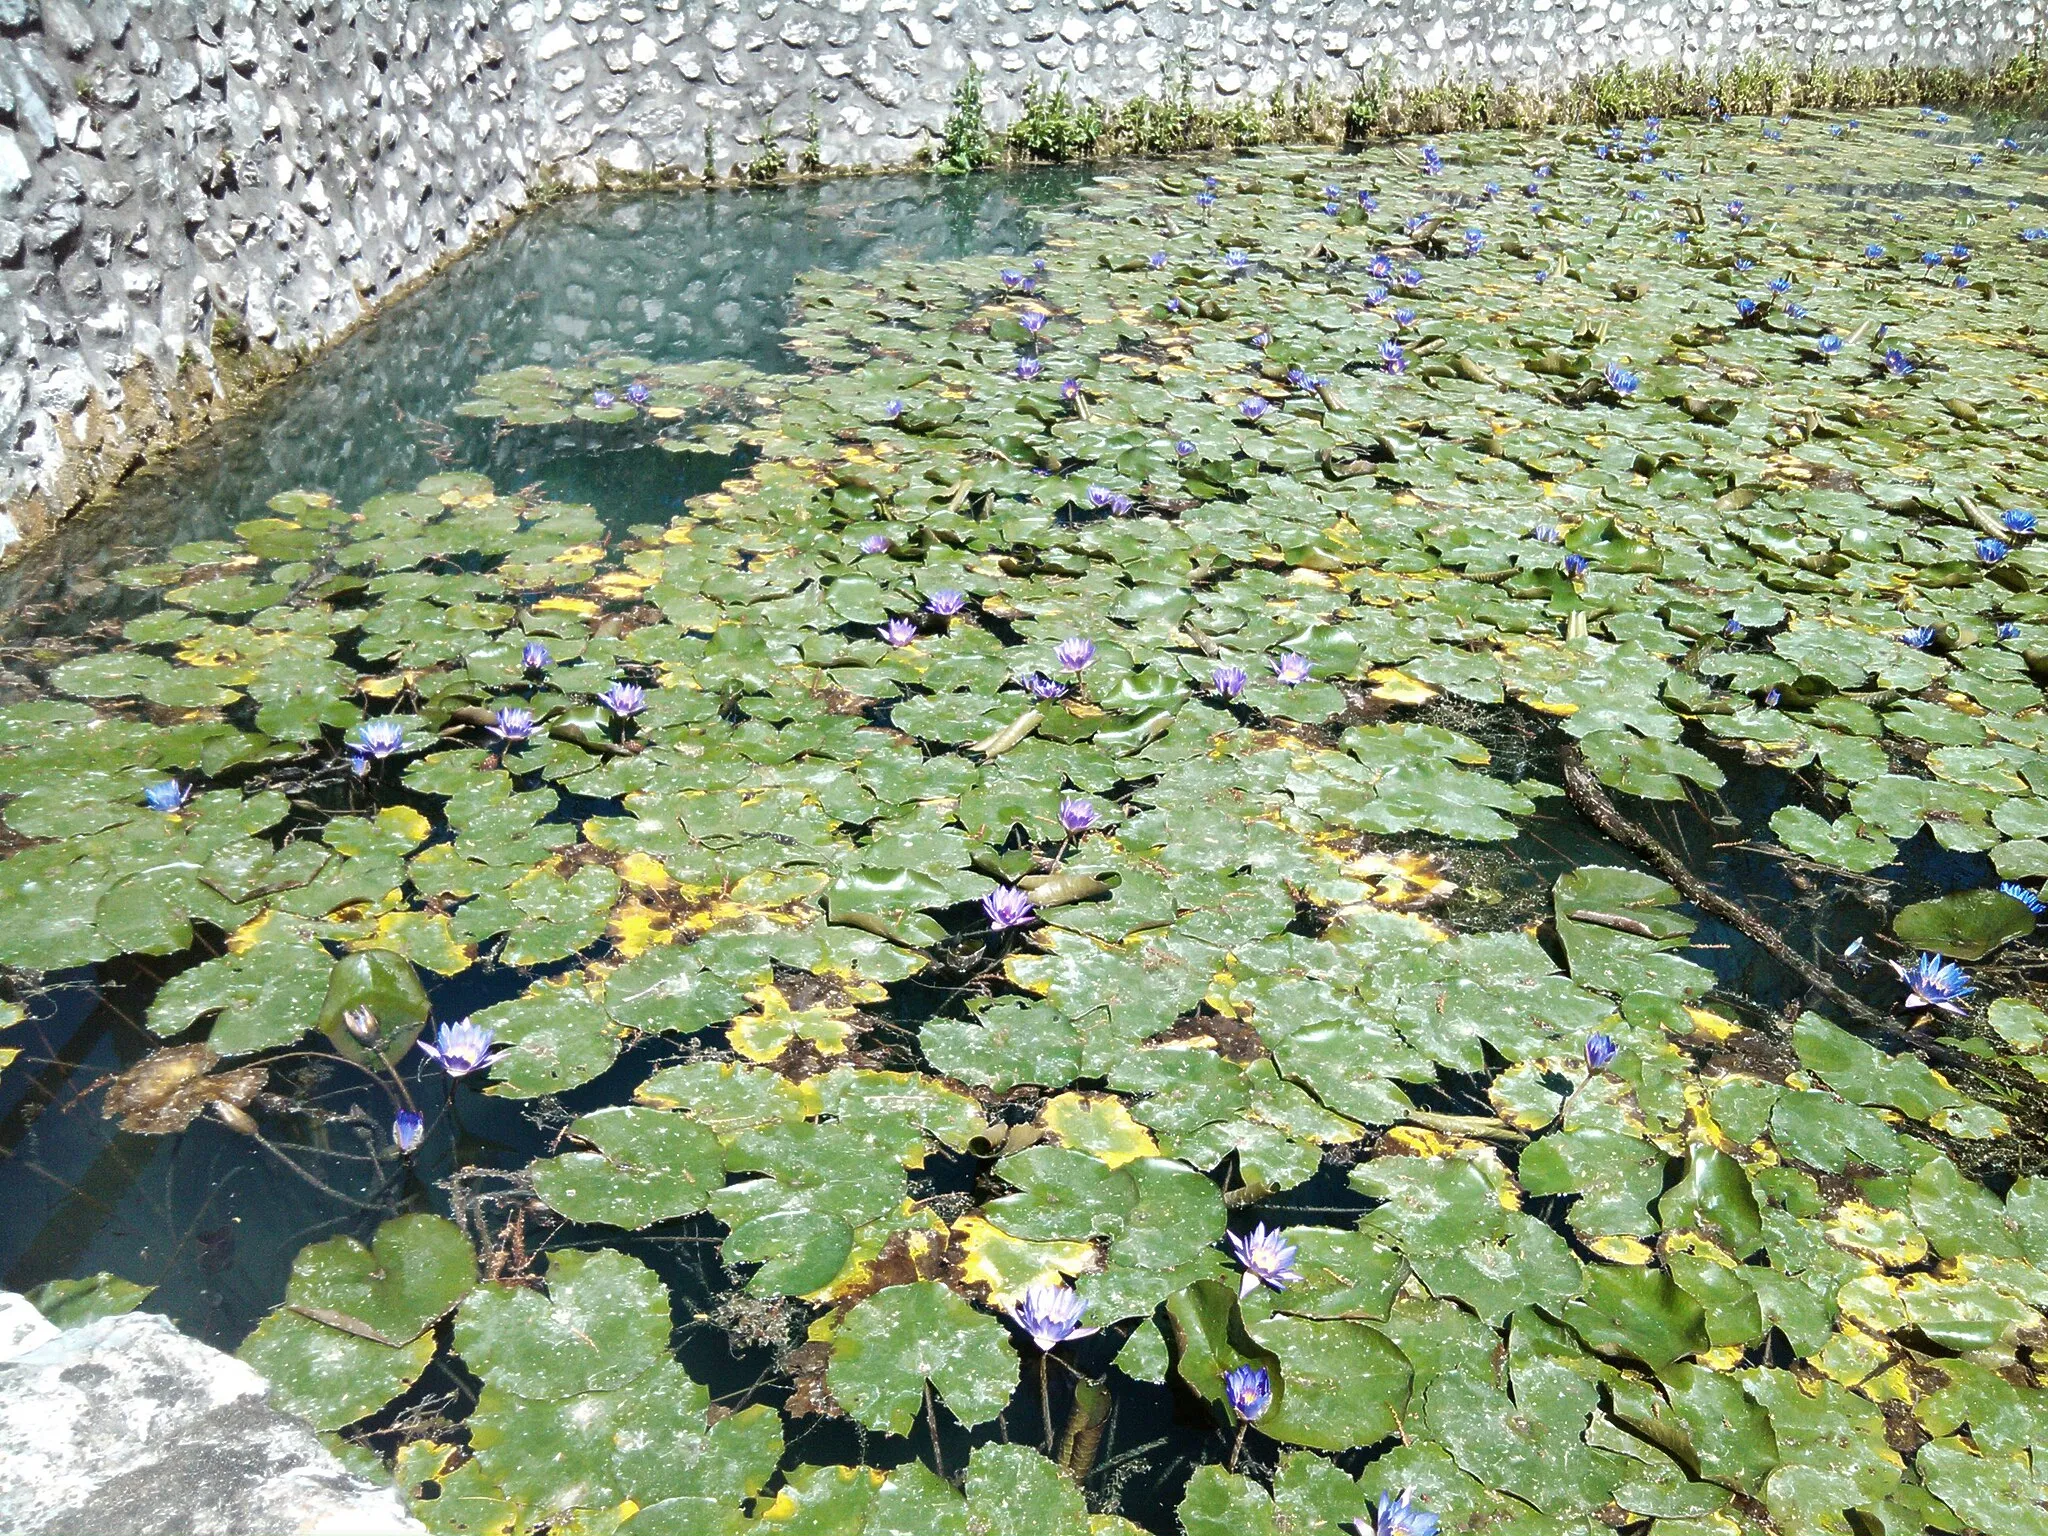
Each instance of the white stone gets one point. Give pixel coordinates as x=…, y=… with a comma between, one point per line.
x=645, y=50
x=13, y=166
x=1073, y=29
x=554, y=43
x=722, y=35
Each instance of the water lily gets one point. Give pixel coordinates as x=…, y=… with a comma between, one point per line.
x=535, y=657
x=1396, y=1515
x=1796, y=311
x=1780, y=285
x=1381, y=268
x=1432, y=162
x=1267, y=1258
x=1874, y=251
x=1099, y=495
x=1006, y=907
x=1543, y=533
x=875, y=544
x=1292, y=669
x=1368, y=202
x=1991, y=551
x=1228, y=681
x=1028, y=368
x=1576, y=566
x=637, y=392
x=167, y=796
x=1252, y=408
x=1156, y=260
x=2018, y=520
x=407, y=1127
x=513, y=725
x=1049, y=1312
x=1475, y=241
x=1070, y=389
x=1919, y=638
x=358, y=765
x=945, y=602
x=1039, y=686
x=1600, y=1052
x=1033, y=320
x=2029, y=899
x=1621, y=380
x=1392, y=357
x=624, y=700
x=1183, y=447
x=380, y=738
x=1932, y=982
x=1897, y=364
x=893, y=411
x=1830, y=344
x=1249, y=1389
x=899, y=632
x=1076, y=815
x=1745, y=307
x=1010, y=279
x=1404, y=317
x=462, y=1048
x=1205, y=200
x=1237, y=261
x=2008, y=630
x=603, y=399
x=1732, y=629
x=361, y=1023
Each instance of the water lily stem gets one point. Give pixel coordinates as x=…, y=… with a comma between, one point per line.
x=1230, y=1464
x=1045, y=1401
x=931, y=1423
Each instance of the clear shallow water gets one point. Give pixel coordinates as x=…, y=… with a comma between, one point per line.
x=676, y=277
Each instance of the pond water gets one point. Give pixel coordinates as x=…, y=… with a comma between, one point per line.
x=965, y=738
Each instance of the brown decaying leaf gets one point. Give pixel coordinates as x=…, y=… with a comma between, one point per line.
x=168, y=1089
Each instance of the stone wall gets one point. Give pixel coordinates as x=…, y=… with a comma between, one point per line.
x=190, y=188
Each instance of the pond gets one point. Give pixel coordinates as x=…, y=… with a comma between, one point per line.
x=1168, y=848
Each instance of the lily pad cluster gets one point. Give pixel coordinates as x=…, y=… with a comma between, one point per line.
x=1048, y=772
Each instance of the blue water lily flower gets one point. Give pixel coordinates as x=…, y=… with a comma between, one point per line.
x=1919, y=638
x=534, y=657
x=1039, y=686
x=1010, y=279
x=1099, y=495
x=407, y=1127
x=1183, y=447
x=899, y=632
x=1006, y=907
x=1576, y=566
x=1076, y=815
x=1621, y=380
x=1780, y=285
x=603, y=399
x=1897, y=364
x=1475, y=241
x=1050, y=1312
x=875, y=544
x=946, y=602
x=2029, y=899
x=1396, y=1515
x=1074, y=654
x=1252, y=409
x=1829, y=344
x=2018, y=520
x=893, y=411
x=2008, y=630
x=1392, y=357
x=624, y=700
x=1249, y=1389
x=1543, y=533
x=637, y=392
x=1292, y=669
x=1237, y=261
x=1070, y=389
x=1267, y=1257
x=1028, y=368
x=1991, y=551
x=1874, y=251
x=513, y=725
x=1156, y=260
x=1600, y=1052
x=167, y=796
x=462, y=1048
x=380, y=738
x=1228, y=681
x=1932, y=982
x=1033, y=320
x=1745, y=307
x=1796, y=311
x=1432, y=162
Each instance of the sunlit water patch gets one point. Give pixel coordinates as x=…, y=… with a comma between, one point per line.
x=1366, y=822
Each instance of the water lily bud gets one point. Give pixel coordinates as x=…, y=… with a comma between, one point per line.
x=234, y=1118
x=362, y=1024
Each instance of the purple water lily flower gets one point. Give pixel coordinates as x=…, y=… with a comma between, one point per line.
x=1252, y=408
x=2027, y=898
x=1156, y=260
x=1099, y=496
x=1033, y=320
x=624, y=700
x=380, y=738
x=513, y=725
x=1074, y=654
x=899, y=632
x=1543, y=533
x=358, y=765
x=1039, y=686
x=535, y=657
x=1028, y=368
x=1600, y=1052
x=1897, y=364
x=1576, y=566
x=406, y=1130
x=1010, y=279
x=1228, y=681
x=1292, y=669
x=1183, y=447
x=1076, y=815
x=1932, y=982
x=1249, y=1389
x=1392, y=357
x=1829, y=344
x=462, y=1048
x=1049, y=1312
x=637, y=392
x=1267, y=1257
x=1396, y=1515
x=945, y=602
x=1070, y=389
x=892, y=411
x=167, y=796
x=1919, y=638
x=1006, y=907
x=875, y=544
x=603, y=399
